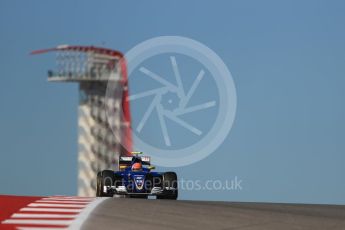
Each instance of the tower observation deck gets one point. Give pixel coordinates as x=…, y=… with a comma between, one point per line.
x=92, y=68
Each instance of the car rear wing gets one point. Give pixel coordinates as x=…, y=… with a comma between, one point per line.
x=125, y=162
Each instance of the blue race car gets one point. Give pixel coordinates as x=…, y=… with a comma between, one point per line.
x=136, y=179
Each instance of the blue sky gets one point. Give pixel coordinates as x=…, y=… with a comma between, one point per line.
x=286, y=58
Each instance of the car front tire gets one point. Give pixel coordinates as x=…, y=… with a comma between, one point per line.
x=104, y=178
x=169, y=180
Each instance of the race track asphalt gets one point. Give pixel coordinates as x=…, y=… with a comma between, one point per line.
x=121, y=213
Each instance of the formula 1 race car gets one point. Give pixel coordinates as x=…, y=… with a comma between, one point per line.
x=135, y=179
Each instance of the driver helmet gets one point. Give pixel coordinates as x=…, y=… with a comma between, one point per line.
x=137, y=166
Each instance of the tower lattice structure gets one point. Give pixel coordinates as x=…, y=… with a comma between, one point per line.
x=92, y=68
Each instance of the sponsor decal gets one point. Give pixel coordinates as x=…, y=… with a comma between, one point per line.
x=139, y=182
